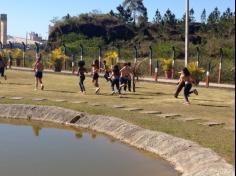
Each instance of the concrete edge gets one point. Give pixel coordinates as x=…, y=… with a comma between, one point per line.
x=188, y=157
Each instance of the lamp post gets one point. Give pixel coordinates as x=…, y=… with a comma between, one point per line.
x=198, y=56
x=1, y=46
x=150, y=60
x=118, y=57
x=10, y=56
x=220, y=65
x=24, y=50
x=156, y=70
x=99, y=56
x=65, y=55
x=81, y=52
x=186, y=33
x=37, y=49
x=173, y=63
x=136, y=54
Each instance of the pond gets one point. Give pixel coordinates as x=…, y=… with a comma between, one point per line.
x=44, y=149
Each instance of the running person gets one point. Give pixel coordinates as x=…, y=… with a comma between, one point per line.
x=38, y=68
x=95, y=72
x=81, y=74
x=2, y=68
x=186, y=78
x=107, y=71
x=124, y=77
x=115, y=77
x=130, y=77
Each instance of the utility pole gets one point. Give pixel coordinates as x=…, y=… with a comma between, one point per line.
x=186, y=33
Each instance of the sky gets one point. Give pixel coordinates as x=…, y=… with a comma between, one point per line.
x=32, y=15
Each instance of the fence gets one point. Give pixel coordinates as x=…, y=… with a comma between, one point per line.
x=215, y=68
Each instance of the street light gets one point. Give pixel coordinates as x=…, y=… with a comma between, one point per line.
x=186, y=33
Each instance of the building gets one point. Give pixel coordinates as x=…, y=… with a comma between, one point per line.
x=3, y=28
x=35, y=37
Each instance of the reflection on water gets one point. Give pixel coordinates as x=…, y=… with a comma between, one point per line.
x=55, y=151
x=36, y=130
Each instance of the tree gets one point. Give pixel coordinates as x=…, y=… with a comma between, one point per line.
x=124, y=15
x=214, y=16
x=191, y=16
x=135, y=6
x=158, y=18
x=203, y=21
x=169, y=17
x=227, y=15
x=203, y=17
x=112, y=13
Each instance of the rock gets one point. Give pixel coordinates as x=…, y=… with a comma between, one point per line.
x=39, y=99
x=150, y=112
x=79, y=102
x=59, y=101
x=170, y=115
x=95, y=104
x=15, y=98
x=188, y=119
x=133, y=109
x=118, y=106
x=211, y=123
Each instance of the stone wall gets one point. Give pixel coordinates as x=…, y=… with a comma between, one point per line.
x=188, y=157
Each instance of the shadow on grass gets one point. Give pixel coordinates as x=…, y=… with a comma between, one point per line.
x=216, y=106
x=18, y=84
x=59, y=91
x=208, y=100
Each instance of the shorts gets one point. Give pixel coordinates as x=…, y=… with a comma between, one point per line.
x=95, y=76
x=38, y=74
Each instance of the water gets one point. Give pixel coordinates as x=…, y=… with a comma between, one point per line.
x=49, y=150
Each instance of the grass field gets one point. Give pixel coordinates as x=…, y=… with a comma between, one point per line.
x=211, y=104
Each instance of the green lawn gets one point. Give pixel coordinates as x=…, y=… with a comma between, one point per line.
x=211, y=104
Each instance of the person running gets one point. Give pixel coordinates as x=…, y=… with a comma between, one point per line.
x=115, y=77
x=95, y=72
x=107, y=71
x=38, y=68
x=2, y=68
x=81, y=74
x=186, y=78
x=124, y=77
x=10, y=60
x=130, y=77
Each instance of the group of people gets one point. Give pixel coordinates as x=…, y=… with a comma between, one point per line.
x=118, y=76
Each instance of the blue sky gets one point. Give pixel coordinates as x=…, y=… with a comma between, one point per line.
x=31, y=15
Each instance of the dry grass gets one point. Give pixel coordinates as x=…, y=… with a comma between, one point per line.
x=211, y=104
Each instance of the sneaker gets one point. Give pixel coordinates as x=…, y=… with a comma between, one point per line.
x=195, y=92
x=42, y=87
x=186, y=103
x=113, y=92
x=97, y=90
x=122, y=85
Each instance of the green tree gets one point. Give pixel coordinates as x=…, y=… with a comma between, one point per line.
x=203, y=17
x=158, y=18
x=214, y=16
x=227, y=15
x=124, y=15
x=169, y=18
x=191, y=16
